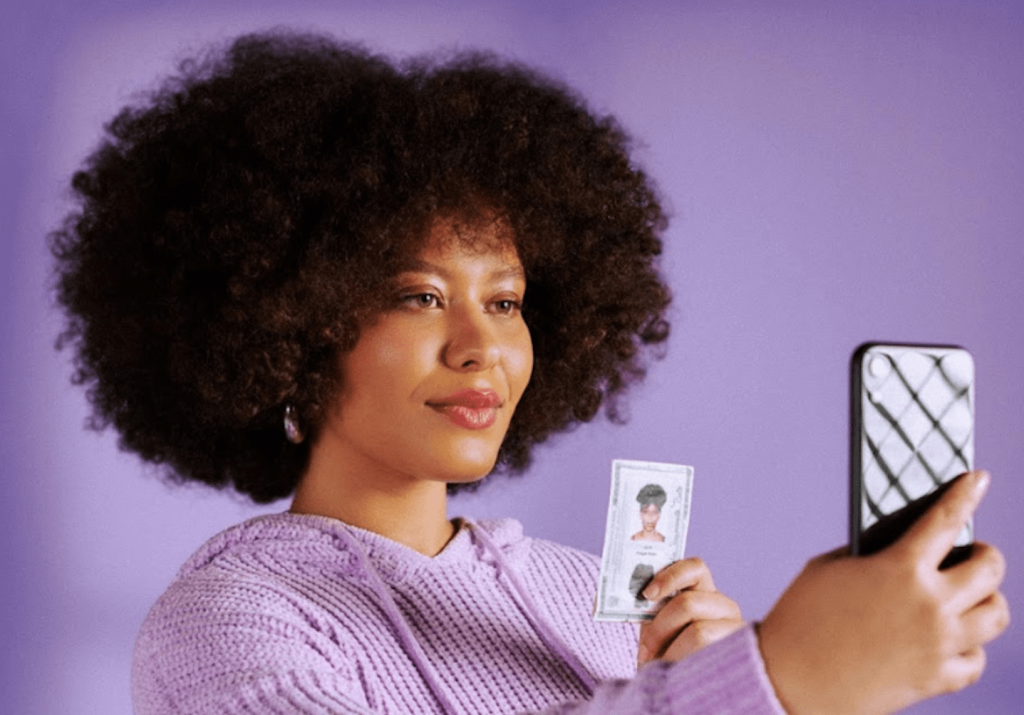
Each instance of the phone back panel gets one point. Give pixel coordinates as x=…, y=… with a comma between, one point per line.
x=912, y=428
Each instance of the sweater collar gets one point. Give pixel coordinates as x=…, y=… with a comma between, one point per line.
x=395, y=562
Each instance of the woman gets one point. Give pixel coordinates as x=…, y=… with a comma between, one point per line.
x=298, y=270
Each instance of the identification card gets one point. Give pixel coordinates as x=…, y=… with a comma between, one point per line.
x=648, y=516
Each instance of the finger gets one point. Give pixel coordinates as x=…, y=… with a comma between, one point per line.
x=682, y=612
x=977, y=578
x=680, y=575
x=931, y=537
x=985, y=622
x=698, y=635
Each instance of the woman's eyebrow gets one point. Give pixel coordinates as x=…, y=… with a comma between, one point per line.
x=513, y=272
x=418, y=265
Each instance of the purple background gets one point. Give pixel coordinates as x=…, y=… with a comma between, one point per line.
x=836, y=174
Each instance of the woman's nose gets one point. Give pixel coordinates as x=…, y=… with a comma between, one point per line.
x=472, y=340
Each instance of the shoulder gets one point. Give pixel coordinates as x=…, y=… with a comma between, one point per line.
x=247, y=600
x=292, y=537
x=260, y=566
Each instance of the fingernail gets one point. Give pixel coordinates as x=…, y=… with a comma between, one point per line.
x=981, y=482
x=652, y=592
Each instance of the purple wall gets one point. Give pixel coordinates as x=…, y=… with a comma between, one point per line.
x=835, y=175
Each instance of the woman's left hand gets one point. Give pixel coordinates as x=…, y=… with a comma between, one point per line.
x=696, y=616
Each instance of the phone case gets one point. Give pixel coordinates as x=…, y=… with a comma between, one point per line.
x=912, y=433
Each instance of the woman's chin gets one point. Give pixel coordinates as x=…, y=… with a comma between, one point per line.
x=466, y=466
x=469, y=477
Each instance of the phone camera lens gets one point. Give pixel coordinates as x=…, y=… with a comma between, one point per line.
x=878, y=366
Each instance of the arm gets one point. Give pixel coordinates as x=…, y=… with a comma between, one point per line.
x=207, y=661
x=727, y=678
x=867, y=636
x=205, y=657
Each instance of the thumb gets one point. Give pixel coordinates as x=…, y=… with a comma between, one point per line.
x=932, y=536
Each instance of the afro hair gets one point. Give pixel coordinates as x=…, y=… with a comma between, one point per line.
x=235, y=229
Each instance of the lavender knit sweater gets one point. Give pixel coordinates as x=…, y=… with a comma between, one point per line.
x=302, y=614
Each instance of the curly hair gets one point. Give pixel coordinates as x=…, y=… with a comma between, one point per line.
x=234, y=231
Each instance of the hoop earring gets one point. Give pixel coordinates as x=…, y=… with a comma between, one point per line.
x=292, y=430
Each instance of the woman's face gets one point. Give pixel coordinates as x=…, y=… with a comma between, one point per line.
x=649, y=516
x=430, y=387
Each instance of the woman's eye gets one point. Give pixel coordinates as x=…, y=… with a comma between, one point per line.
x=421, y=300
x=507, y=306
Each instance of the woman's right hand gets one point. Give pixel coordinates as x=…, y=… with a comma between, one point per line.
x=874, y=634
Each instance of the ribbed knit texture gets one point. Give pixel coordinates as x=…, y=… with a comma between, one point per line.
x=305, y=614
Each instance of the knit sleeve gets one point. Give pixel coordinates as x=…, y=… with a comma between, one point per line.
x=213, y=646
x=725, y=678
x=285, y=693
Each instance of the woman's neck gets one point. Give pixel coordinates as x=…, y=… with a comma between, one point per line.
x=410, y=512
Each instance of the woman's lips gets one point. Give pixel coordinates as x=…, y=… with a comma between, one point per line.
x=470, y=409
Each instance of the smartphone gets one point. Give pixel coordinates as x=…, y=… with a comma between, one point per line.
x=911, y=435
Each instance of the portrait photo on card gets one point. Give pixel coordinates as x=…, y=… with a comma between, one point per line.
x=651, y=498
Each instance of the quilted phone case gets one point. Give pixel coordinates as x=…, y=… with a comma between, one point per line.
x=912, y=432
